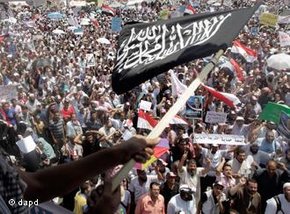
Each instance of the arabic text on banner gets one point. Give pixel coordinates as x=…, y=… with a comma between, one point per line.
x=219, y=139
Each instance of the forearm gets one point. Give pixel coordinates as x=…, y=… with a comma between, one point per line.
x=49, y=183
x=181, y=162
x=159, y=176
x=221, y=207
x=219, y=168
x=234, y=189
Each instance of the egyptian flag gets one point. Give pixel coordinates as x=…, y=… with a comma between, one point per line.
x=148, y=49
x=238, y=70
x=161, y=148
x=248, y=54
x=189, y=10
x=108, y=10
x=145, y=120
x=229, y=99
x=95, y=22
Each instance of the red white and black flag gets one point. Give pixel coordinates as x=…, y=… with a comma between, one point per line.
x=108, y=10
x=148, y=49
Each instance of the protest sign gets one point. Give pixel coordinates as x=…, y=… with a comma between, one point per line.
x=26, y=144
x=268, y=19
x=284, y=39
x=254, y=31
x=194, y=3
x=127, y=135
x=215, y=117
x=8, y=92
x=219, y=139
x=284, y=125
x=116, y=24
x=91, y=61
x=145, y=105
x=194, y=107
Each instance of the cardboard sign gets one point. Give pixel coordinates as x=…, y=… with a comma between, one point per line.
x=268, y=19
x=284, y=39
x=215, y=117
x=145, y=105
x=26, y=145
x=219, y=139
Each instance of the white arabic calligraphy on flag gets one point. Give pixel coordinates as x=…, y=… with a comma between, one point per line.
x=151, y=43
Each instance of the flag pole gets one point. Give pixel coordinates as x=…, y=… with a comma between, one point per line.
x=164, y=122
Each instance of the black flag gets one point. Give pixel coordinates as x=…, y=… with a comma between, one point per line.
x=148, y=49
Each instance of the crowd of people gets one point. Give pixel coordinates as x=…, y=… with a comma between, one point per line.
x=65, y=102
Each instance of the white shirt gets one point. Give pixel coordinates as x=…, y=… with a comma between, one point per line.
x=272, y=205
x=176, y=205
x=260, y=157
x=243, y=168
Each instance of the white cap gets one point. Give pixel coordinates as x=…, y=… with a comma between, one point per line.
x=186, y=188
x=287, y=184
x=240, y=118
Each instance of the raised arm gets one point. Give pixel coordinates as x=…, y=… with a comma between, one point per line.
x=181, y=162
x=219, y=168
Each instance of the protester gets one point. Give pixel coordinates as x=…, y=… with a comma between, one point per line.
x=211, y=201
x=245, y=196
x=279, y=203
x=182, y=202
x=270, y=180
x=169, y=188
x=152, y=202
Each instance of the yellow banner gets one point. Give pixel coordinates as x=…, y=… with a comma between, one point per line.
x=268, y=19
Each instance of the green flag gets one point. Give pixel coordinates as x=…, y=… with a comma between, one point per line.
x=272, y=112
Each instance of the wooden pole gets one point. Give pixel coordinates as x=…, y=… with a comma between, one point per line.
x=164, y=122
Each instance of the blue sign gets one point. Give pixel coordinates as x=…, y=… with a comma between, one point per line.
x=182, y=8
x=116, y=24
x=194, y=107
